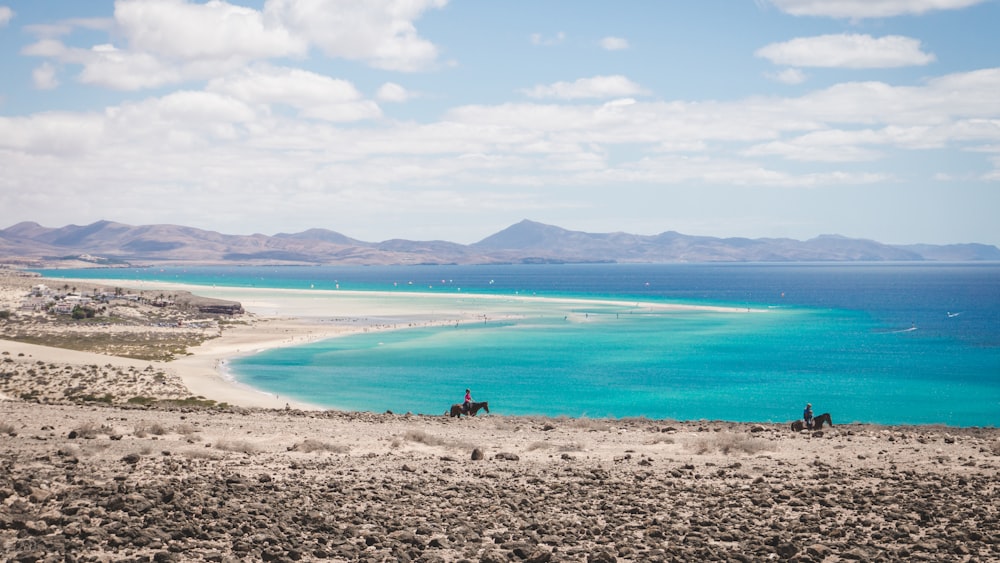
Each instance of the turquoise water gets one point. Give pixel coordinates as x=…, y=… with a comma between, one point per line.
x=894, y=344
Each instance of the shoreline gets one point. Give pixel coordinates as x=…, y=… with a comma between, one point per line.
x=278, y=318
x=281, y=317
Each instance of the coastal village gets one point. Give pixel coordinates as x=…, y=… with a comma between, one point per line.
x=102, y=318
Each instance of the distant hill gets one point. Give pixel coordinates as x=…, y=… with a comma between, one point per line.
x=108, y=243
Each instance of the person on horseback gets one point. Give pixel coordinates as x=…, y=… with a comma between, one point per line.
x=807, y=415
x=467, y=405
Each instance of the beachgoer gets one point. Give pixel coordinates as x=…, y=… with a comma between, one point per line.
x=807, y=415
x=468, y=402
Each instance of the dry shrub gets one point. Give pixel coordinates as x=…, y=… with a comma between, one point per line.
x=186, y=429
x=7, y=429
x=94, y=448
x=538, y=446
x=200, y=454
x=731, y=443
x=559, y=447
x=90, y=430
x=309, y=446
x=590, y=424
x=144, y=429
x=662, y=439
x=504, y=424
x=236, y=446
x=422, y=437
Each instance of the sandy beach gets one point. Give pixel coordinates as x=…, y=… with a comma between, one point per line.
x=91, y=474
x=288, y=317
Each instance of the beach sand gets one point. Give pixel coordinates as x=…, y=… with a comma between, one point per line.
x=265, y=479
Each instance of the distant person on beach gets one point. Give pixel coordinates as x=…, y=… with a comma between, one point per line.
x=468, y=401
x=807, y=415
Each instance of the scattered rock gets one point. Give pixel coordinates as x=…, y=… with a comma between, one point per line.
x=803, y=500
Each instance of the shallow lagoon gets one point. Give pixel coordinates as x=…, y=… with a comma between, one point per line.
x=889, y=343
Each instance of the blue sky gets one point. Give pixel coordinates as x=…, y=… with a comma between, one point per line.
x=451, y=119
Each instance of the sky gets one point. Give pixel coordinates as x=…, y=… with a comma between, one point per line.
x=454, y=119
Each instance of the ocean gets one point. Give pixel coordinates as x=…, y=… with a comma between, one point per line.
x=890, y=343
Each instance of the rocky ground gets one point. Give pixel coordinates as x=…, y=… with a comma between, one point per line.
x=106, y=483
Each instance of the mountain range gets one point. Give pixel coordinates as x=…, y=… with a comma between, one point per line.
x=106, y=243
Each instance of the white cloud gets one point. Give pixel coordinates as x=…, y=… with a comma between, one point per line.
x=106, y=65
x=379, y=32
x=194, y=108
x=543, y=41
x=65, y=27
x=162, y=42
x=46, y=48
x=51, y=134
x=392, y=92
x=44, y=77
x=789, y=76
x=6, y=14
x=314, y=95
x=847, y=51
x=232, y=140
x=861, y=9
x=614, y=43
x=180, y=30
x=597, y=87
x=940, y=100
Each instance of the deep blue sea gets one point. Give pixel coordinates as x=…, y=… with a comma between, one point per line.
x=893, y=343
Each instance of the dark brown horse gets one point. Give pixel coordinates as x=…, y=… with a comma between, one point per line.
x=800, y=425
x=456, y=409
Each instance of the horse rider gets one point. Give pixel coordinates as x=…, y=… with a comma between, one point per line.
x=807, y=415
x=467, y=405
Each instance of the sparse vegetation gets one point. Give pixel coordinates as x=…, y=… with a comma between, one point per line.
x=310, y=445
x=90, y=430
x=139, y=400
x=590, y=424
x=662, y=439
x=422, y=437
x=156, y=346
x=144, y=429
x=558, y=447
x=197, y=402
x=106, y=398
x=236, y=446
x=186, y=429
x=731, y=443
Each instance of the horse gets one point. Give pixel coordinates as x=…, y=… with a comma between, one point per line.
x=456, y=409
x=800, y=425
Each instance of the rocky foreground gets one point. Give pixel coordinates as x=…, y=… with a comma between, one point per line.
x=112, y=483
